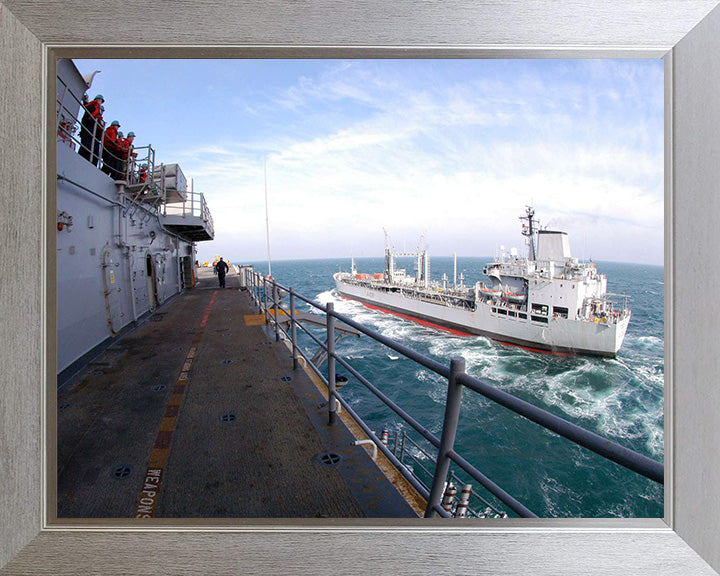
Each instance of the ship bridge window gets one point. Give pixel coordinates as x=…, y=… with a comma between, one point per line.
x=539, y=319
x=511, y=313
x=522, y=315
x=502, y=311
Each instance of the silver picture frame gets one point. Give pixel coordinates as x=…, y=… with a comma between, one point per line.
x=686, y=33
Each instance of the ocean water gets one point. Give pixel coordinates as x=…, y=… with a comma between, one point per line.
x=620, y=398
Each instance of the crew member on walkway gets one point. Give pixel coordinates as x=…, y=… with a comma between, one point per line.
x=111, y=151
x=126, y=152
x=99, y=131
x=221, y=268
x=91, y=116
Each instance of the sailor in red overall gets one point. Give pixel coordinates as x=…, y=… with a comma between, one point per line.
x=111, y=151
x=126, y=153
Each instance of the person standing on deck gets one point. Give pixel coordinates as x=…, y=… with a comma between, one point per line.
x=91, y=118
x=221, y=268
x=111, y=150
x=99, y=131
x=126, y=152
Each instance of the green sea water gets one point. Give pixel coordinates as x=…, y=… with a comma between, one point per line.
x=620, y=398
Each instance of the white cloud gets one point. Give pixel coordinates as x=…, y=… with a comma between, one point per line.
x=458, y=161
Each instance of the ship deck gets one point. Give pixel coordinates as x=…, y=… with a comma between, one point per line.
x=197, y=413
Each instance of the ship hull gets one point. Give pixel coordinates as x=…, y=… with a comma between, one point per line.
x=560, y=336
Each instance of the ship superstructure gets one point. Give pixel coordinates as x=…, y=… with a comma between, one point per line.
x=125, y=236
x=548, y=300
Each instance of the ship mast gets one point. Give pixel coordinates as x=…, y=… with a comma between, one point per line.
x=455, y=270
x=528, y=229
x=389, y=264
x=420, y=264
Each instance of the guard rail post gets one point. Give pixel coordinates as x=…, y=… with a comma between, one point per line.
x=293, y=330
x=256, y=283
x=264, y=299
x=447, y=439
x=275, y=298
x=332, y=408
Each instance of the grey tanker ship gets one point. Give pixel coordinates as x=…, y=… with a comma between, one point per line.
x=547, y=301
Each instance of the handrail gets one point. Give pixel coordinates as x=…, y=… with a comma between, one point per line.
x=89, y=140
x=194, y=205
x=261, y=287
x=606, y=448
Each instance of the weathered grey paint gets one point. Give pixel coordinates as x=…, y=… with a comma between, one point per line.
x=117, y=261
x=105, y=249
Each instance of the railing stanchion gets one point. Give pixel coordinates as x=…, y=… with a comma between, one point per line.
x=293, y=330
x=332, y=414
x=264, y=299
x=447, y=440
x=275, y=298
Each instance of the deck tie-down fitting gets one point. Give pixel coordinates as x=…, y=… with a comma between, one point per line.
x=367, y=441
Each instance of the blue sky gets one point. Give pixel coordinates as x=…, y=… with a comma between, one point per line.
x=452, y=149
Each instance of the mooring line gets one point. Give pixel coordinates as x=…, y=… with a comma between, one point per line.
x=147, y=499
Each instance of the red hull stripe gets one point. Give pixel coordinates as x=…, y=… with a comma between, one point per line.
x=412, y=318
x=554, y=353
x=451, y=330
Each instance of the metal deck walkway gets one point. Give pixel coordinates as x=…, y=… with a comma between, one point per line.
x=198, y=414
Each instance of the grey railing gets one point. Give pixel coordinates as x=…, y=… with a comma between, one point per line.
x=194, y=205
x=89, y=140
x=268, y=295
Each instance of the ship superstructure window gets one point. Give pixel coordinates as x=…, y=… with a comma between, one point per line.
x=522, y=315
x=540, y=309
x=539, y=319
x=560, y=311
